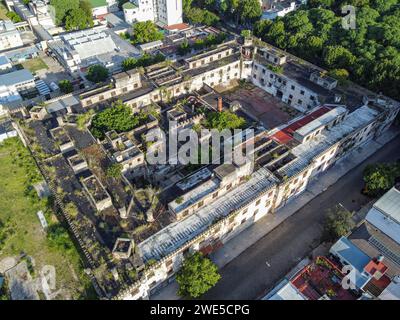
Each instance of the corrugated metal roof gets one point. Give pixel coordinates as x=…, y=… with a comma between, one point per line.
x=177, y=234
x=389, y=204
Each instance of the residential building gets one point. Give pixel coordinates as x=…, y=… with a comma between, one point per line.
x=162, y=12
x=80, y=49
x=15, y=85
x=9, y=36
x=5, y=64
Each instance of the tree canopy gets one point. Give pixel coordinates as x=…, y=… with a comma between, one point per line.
x=197, y=275
x=208, y=12
x=369, y=55
x=65, y=86
x=118, y=117
x=338, y=223
x=380, y=177
x=224, y=120
x=144, y=61
x=144, y=32
x=73, y=14
x=97, y=73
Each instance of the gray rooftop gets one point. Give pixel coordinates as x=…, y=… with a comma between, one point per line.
x=177, y=234
x=16, y=77
x=321, y=121
x=389, y=204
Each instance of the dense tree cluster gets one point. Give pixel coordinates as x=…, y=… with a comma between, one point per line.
x=208, y=12
x=224, y=120
x=144, y=61
x=73, y=14
x=118, y=117
x=369, y=54
x=379, y=178
x=144, y=32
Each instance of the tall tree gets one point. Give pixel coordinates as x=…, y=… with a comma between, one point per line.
x=197, y=275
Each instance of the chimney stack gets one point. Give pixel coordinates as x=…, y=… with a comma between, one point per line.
x=219, y=104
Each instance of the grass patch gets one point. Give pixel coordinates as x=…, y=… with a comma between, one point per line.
x=3, y=12
x=34, y=65
x=22, y=229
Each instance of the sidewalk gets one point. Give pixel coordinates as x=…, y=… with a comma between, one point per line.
x=255, y=232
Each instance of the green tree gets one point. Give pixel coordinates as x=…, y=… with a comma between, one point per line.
x=341, y=75
x=250, y=11
x=224, y=120
x=197, y=275
x=62, y=7
x=184, y=48
x=379, y=178
x=97, y=73
x=338, y=223
x=13, y=16
x=118, y=117
x=65, y=86
x=338, y=57
x=209, y=18
x=144, y=32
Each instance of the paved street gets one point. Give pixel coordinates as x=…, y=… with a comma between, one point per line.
x=254, y=272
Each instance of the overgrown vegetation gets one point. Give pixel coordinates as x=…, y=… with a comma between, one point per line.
x=144, y=32
x=118, y=117
x=144, y=61
x=197, y=275
x=369, y=54
x=224, y=120
x=21, y=230
x=114, y=170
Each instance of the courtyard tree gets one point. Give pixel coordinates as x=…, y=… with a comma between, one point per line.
x=224, y=120
x=197, y=275
x=97, y=73
x=337, y=223
x=118, y=117
x=65, y=86
x=144, y=32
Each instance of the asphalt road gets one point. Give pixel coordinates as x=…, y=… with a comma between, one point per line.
x=258, y=269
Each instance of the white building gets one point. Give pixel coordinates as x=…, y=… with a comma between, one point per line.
x=5, y=64
x=385, y=214
x=13, y=84
x=162, y=12
x=81, y=49
x=9, y=36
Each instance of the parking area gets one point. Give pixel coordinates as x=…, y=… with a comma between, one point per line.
x=260, y=105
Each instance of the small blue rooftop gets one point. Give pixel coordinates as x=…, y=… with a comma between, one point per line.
x=352, y=255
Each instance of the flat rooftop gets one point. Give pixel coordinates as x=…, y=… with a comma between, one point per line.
x=177, y=234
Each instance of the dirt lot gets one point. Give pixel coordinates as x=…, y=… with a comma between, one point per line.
x=262, y=106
